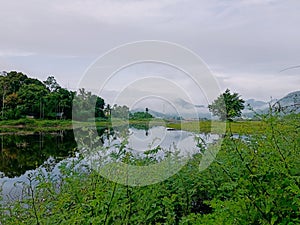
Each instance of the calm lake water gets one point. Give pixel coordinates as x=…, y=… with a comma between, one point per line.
x=24, y=154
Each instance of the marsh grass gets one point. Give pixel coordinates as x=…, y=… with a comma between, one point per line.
x=33, y=125
x=36, y=125
x=238, y=127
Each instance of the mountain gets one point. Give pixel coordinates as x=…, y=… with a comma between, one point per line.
x=290, y=99
x=255, y=104
x=291, y=102
x=252, y=106
x=175, y=109
x=182, y=108
x=187, y=105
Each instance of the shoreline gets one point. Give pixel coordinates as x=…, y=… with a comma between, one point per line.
x=30, y=126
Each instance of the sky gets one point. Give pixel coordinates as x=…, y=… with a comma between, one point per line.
x=245, y=43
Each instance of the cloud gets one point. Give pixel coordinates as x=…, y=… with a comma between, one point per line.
x=117, y=12
x=261, y=86
x=12, y=53
x=242, y=39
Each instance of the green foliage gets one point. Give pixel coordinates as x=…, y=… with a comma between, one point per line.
x=255, y=179
x=227, y=106
x=31, y=96
x=51, y=84
x=87, y=106
x=120, y=112
x=22, y=96
x=140, y=116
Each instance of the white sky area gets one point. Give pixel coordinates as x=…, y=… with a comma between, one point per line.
x=245, y=43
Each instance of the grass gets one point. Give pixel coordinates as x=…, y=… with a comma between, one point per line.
x=33, y=125
x=36, y=125
x=240, y=127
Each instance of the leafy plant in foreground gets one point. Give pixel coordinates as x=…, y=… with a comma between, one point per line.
x=254, y=180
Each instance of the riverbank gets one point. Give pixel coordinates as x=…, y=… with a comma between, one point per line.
x=35, y=125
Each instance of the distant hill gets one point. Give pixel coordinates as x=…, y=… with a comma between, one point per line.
x=252, y=105
x=152, y=112
x=184, y=104
x=290, y=102
x=179, y=108
x=291, y=99
x=256, y=104
x=187, y=110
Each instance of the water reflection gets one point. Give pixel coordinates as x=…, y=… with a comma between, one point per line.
x=20, y=153
x=23, y=154
x=139, y=139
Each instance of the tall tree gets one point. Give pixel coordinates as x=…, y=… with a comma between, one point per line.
x=120, y=112
x=87, y=106
x=99, y=108
x=51, y=84
x=3, y=91
x=31, y=98
x=16, y=80
x=227, y=106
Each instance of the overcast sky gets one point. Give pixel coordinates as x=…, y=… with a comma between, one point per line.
x=246, y=43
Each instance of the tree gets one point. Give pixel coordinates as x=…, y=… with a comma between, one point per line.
x=99, y=108
x=58, y=102
x=31, y=97
x=3, y=90
x=16, y=80
x=87, y=106
x=120, y=112
x=140, y=116
x=51, y=84
x=11, y=106
x=227, y=106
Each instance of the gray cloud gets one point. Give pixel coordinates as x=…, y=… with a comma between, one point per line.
x=245, y=42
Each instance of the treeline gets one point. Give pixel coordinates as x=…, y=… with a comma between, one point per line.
x=22, y=96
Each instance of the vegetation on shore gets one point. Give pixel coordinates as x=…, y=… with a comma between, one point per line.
x=35, y=125
x=227, y=106
x=253, y=180
x=239, y=127
x=52, y=107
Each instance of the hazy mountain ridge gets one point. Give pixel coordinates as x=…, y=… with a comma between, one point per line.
x=188, y=110
x=288, y=103
x=255, y=104
x=290, y=99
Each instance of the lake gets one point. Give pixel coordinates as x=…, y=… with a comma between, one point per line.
x=22, y=154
